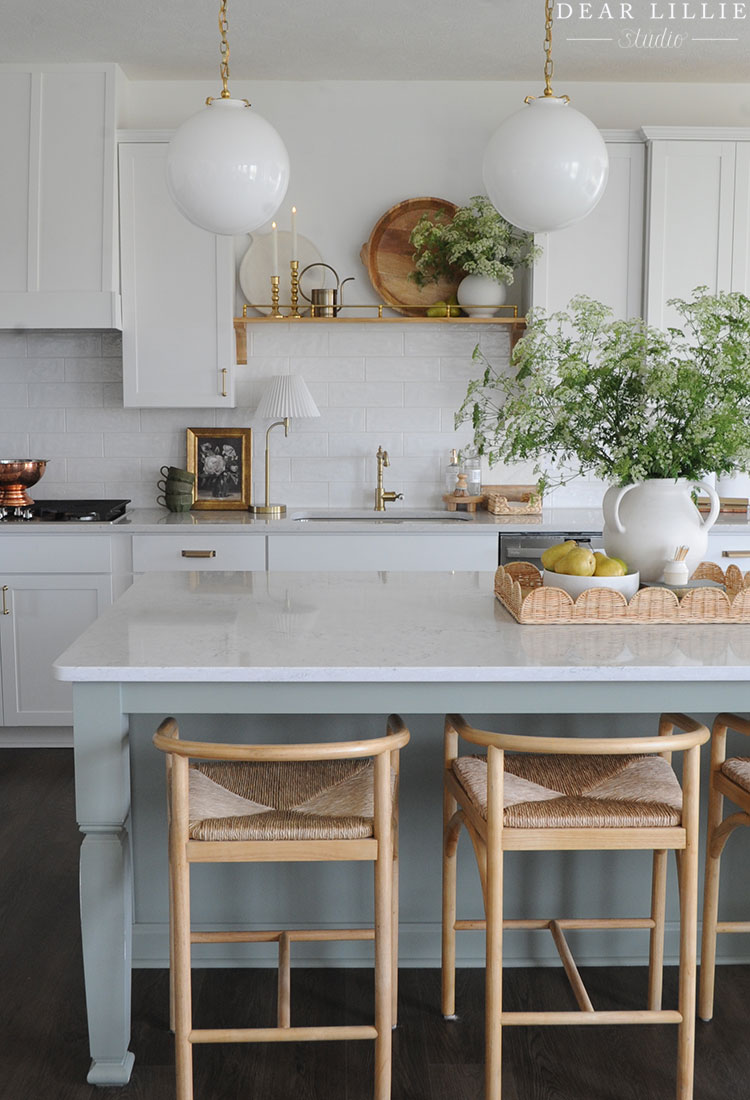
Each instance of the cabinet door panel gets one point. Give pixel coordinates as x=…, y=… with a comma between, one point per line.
x=741, y=254
x=15, y=129
x=690, y=222
x=177, y=294
x=73, y=159
x=58, y=264
x=46, y=613
x=601, y=256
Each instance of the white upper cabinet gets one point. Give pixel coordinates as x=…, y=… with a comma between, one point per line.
x=58, y=263
x=177, y=293
x=602, y=255
x=697, y=223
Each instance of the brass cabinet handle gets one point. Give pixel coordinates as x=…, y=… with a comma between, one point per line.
x=735, y=553
x=199, y=553
x=6, y=609
x=223, y=381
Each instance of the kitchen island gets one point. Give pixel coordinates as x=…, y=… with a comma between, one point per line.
x=306, y=644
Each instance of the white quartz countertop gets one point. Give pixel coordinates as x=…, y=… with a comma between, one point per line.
x=360, y=627
x=301, y=520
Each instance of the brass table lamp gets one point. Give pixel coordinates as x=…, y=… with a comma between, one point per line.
x=286, y=397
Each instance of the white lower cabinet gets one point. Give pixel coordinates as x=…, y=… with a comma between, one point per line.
x=53, y=587
x=204, y=552
x=41, y=615
x=425, y=553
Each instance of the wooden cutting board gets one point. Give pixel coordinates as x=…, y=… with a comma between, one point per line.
x=388, y=257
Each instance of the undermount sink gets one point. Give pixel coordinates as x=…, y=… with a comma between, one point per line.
x=403, y=515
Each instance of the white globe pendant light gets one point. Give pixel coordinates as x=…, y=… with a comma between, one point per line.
x=227, y=168
x=546, y=166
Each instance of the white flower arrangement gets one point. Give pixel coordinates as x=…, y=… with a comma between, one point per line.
x=476, y=241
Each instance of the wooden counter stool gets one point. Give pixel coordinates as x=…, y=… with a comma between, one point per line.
x=730, y=779
x=283, y=803
x=564, y=794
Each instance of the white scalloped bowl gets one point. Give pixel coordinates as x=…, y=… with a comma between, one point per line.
x=574, y=586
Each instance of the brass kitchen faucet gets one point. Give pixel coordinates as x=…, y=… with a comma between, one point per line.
x=381, y=496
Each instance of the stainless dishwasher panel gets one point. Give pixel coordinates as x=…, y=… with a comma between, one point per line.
x=530, y=547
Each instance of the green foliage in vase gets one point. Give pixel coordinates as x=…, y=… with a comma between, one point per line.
x=621, y=399
x=475, y=241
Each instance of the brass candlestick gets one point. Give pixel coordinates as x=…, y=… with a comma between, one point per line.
x=294, y=274
x=275, y=311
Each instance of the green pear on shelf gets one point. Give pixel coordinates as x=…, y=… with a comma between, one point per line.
x=450, y=308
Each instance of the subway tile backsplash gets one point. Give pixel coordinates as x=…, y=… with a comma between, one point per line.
x=395, y=386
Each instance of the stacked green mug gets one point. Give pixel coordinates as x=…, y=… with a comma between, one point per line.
x=177, y=488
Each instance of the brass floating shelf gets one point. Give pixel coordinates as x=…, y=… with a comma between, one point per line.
x=517, y=324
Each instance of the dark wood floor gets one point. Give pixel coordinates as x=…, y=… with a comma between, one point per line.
x=43, y=1046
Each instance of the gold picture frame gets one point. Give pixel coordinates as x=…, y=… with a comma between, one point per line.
x=222, y=461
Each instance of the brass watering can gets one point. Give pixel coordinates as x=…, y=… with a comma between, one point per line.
x=325, y=302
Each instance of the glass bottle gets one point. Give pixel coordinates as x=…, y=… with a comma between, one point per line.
x=451, y=472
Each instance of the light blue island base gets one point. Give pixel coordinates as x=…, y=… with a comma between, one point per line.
x=359, y=647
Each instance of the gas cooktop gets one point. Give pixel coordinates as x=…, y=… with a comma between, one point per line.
x=60, y=511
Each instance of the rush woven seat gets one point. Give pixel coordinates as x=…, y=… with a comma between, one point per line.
x=317, y=800
x=566, y=794
x=329, y=802
x=729, y=778
x=738, y=770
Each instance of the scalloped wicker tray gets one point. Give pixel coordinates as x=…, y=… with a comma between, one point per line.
x=519, y=588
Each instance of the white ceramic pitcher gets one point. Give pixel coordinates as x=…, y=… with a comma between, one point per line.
x=644, y=523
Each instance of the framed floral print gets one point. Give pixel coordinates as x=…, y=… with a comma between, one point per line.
x=222, y=461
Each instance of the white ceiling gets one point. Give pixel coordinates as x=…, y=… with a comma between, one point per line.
x=381, y=39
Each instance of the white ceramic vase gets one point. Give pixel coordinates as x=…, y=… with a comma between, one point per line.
x=482, y=296
x=644, y=524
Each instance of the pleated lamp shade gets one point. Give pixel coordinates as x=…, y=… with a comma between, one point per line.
x=287, y=395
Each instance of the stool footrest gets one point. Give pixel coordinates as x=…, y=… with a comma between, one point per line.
x=632, y=1016
x=544, y=923
x=280, y=1034
x=307, y=935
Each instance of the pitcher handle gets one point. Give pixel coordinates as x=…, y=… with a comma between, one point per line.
x=616, y=507
x=713, y=496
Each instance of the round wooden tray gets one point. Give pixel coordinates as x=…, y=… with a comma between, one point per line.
x=388, y=257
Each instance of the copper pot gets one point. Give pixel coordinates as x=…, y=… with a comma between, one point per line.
x=16, y=476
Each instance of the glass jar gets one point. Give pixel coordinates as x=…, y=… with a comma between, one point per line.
x=472, y=467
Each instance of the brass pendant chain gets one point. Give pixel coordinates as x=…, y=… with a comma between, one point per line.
x=224, y=50
x=548, y=65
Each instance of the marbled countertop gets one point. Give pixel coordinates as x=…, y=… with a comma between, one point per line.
x=159, y=520
x=368, y=627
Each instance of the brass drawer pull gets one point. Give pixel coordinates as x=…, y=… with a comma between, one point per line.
x=6, y=609
x=735, y=553
x=199, y=553
x=223, y=381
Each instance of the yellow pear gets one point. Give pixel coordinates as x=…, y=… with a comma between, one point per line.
x=608, y=567
x=577, y=563
x=554, y=553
